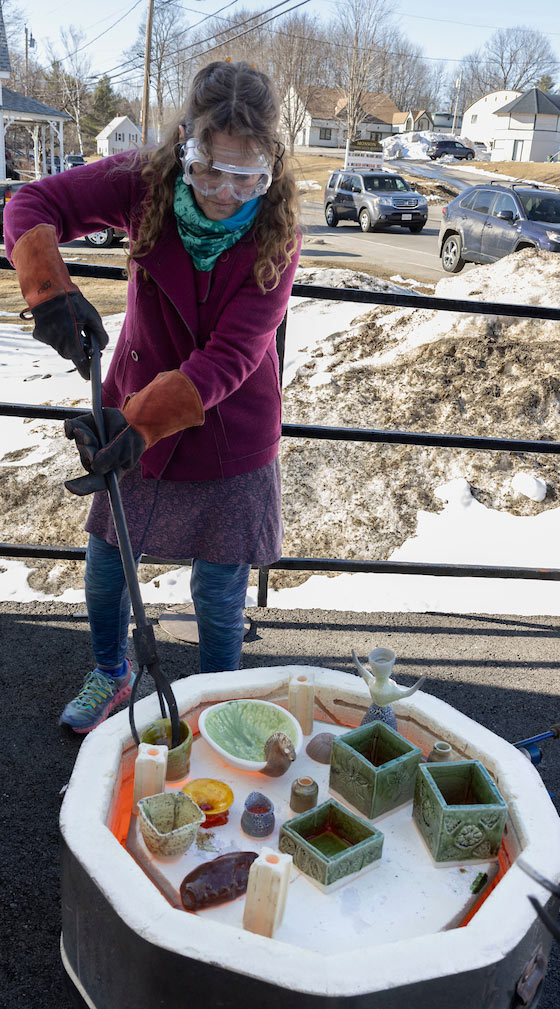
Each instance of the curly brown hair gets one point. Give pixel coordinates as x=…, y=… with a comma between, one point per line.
x=234, y=98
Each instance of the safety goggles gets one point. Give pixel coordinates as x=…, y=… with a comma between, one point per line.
x=245, y=182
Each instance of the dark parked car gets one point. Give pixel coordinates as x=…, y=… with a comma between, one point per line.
x=491, y=220
x=376, y=200
x=73, y=160
x=439, y=148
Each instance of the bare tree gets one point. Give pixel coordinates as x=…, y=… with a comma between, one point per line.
x=297, y=67
x=411, y=81
x=513, y=59
x=68, y=78
x=168, y=42
x=359, y=27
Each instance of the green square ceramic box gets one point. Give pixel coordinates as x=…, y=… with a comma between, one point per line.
x=459, y=811
x=374, y=768
x=329, y=842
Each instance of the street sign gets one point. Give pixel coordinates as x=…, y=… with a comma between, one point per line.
x=364, y=154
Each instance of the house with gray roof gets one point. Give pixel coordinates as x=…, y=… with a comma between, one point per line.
x=528, y=127
x=42, y=122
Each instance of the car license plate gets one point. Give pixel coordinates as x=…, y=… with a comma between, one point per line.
x=407, y=217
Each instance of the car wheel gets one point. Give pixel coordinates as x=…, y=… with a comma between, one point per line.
x=100, y=239
x=331, y=216
x=416, y=228
x=451, y=258
x=469, y=157
x=365, y=220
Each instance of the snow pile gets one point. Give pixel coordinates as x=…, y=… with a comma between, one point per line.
x=306, y=184
x=428, y=371
x=415, y=145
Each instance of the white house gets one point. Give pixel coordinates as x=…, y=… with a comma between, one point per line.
x=324, y=122
x=479, y=119
x=119, y=135
x=528, y=128
x=412, y=121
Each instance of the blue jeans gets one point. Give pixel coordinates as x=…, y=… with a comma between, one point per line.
x=218, y=593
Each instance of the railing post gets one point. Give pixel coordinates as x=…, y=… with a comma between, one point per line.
x=262, y=594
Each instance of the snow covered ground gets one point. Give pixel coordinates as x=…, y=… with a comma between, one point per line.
x=365, y=367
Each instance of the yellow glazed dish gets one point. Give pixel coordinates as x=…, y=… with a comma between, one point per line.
x=211, y=795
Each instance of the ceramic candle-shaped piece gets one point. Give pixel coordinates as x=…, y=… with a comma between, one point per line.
x=150, y=769
x=301, y=700
x=267, y=889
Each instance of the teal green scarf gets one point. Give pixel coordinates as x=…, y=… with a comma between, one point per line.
x=205, y=240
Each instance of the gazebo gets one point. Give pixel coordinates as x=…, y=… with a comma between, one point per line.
x=33, y=115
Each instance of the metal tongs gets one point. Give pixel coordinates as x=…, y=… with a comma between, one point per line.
x=553, y=888
x=143, y=634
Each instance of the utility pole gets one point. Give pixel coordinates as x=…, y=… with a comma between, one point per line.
x=147, y=59
x=459, y=83
x=29, y=44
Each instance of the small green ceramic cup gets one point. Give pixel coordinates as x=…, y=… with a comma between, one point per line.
x=178, y=758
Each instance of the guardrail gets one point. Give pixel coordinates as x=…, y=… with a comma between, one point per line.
x=322, y=433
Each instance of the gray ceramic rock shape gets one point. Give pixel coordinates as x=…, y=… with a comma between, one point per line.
x=374, y=768
x=459, y=811
x=329, y=842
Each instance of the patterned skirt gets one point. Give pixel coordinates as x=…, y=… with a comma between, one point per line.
x=232, y=521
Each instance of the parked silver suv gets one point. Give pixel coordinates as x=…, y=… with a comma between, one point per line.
x=376, y=200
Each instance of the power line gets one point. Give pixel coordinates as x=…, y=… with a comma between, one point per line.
x=471, y=24
x=224, y=31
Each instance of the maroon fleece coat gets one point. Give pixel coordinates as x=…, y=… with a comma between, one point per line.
x=217, y=327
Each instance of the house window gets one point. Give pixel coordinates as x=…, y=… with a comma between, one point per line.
x=325, y=133
x=474, y=119
x=374, y=136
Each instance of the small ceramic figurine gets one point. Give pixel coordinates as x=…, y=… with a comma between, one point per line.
x=215, y=882
x=303, y=795
x=382, y=688
x=279, y=752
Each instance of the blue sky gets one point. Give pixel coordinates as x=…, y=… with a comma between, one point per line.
x=443, y=31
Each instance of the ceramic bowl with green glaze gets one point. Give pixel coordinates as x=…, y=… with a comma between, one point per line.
x=238, y=730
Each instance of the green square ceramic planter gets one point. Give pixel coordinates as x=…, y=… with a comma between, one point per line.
x=459, y=811
x=329, y=842
x=374, y=768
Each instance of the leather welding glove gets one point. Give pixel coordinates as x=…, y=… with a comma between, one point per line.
x=170, y=403
x=60, y=311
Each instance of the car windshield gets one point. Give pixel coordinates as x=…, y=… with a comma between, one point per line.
x=543, y=207
x=391, y=183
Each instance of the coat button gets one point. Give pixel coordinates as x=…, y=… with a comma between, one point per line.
x=134, y=355
x=224, y=257
x=150, y=290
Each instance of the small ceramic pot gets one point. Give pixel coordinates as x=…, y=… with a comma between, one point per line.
x=303, y=795
x=178, y=758
x=441, y=751
x=257, y=818
x=169, y=822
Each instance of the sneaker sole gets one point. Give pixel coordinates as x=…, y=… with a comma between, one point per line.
x=120, y=696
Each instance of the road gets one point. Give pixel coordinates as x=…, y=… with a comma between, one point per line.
x=395, y=252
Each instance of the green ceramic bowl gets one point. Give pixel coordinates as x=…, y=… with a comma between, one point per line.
x=178, y=758
x=238, y=730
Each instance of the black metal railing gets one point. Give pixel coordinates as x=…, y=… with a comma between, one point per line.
x=311, y=431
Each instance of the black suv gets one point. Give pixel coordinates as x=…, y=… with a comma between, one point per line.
x=439, y=148
x=491, y=220
x=375, y=199
x=74, y=160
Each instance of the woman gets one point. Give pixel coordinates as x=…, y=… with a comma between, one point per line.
x=192, y=399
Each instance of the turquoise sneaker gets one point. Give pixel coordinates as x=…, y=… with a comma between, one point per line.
x=97, y=698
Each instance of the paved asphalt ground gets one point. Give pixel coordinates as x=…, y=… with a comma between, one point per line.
x=502, y=671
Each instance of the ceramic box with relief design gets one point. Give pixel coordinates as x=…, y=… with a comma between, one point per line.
x=329, y=843
x=374, y=768
x=459, y=811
